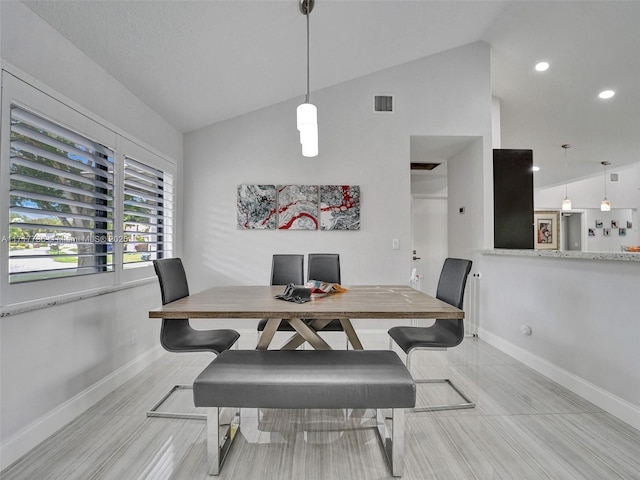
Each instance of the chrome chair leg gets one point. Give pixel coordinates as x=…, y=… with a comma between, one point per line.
x=192, y=416
x=432, y=408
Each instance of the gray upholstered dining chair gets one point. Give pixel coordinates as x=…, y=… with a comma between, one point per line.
x=285, y=269
x=177, y=335
x=444, y=333
x=326, y=268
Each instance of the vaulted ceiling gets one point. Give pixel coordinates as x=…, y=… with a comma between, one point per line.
x=200, y=62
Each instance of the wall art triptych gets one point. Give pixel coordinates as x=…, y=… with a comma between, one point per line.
x=298, y=207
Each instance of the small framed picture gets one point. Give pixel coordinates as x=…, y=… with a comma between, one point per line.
x=606, y=232
x=546, y=232
x=614, y=223
x=598, y=223
x=622, y=232
x=592, y=232
x=629, y=224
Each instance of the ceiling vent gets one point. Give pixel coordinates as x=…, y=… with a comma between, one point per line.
x=423, y=166
x=383, y=103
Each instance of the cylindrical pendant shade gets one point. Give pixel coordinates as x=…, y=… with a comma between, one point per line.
x=310, y=149
x=307, y=115
x=566, y=204
x=308, y=127
x=309, y=140
x=605, y=205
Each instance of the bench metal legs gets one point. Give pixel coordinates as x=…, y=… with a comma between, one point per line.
x=218, y=445
x=393, y=443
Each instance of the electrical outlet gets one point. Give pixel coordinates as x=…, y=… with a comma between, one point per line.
x=395, y=244
x=134, y=337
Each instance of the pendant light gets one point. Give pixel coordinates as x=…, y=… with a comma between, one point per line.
x=566, y=203
x=605, y=205
x=307, y=113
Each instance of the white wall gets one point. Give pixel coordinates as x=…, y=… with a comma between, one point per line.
x=584, y=318
x=446, y=94
x=466, y=190
x=55, y=362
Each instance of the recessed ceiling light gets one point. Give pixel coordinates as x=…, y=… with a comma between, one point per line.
x=542, y=66
x=535, y=168
x=606, y=94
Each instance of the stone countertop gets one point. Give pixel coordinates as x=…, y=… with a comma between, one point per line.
x=608, y=256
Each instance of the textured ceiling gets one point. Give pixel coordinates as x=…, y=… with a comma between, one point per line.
x=199, y=62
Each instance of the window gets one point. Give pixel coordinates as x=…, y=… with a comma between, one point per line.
x=148, y=213
x=85, y=207
x=61, y=190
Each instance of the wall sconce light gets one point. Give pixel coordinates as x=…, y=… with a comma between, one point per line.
x=307, y=113
x=605, y=205
x=566, y=203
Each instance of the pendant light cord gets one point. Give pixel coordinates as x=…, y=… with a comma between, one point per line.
x=566, y=146
x=566, y=184
x=307, y=14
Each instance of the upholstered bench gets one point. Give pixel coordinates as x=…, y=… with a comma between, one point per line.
x=362, y=379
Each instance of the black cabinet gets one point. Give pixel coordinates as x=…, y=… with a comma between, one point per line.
x=513, y=198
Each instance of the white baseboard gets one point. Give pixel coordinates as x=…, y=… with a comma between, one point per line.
x=616, y=406
x=30, y=436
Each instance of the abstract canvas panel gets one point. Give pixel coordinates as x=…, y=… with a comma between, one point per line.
x=298, y=207
x=340, y=207
x=256, y=207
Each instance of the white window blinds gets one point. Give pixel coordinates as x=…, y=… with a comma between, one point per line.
x=148, y=213
x=61, y=201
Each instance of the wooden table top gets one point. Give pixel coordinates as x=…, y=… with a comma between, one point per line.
x=361, y=301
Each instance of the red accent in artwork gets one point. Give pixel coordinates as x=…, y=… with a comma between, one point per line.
x=302, y=214
x=347, y=201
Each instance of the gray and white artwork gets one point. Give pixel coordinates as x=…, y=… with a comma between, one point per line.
x=298, y=207
x=340, y=207
x=256, y=207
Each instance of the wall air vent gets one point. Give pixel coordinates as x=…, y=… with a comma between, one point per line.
x=614, y=177
x=383, y=103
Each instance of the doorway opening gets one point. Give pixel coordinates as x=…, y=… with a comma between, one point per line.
x=571, y=231
x=429, y=155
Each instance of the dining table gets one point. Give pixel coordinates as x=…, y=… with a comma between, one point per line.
x=358, y=302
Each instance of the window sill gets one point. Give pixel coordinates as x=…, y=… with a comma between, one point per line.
x=29, y=306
